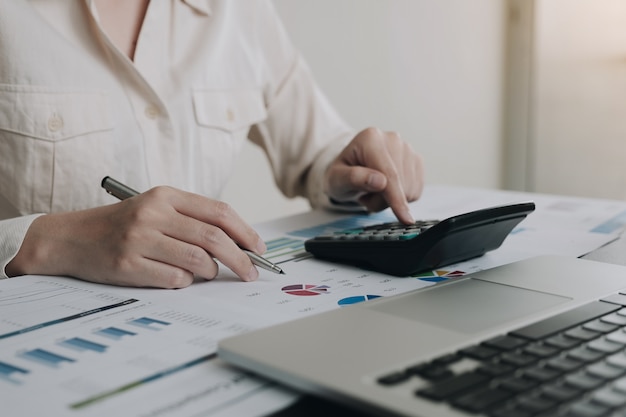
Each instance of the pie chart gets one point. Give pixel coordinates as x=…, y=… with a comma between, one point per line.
x=438, y=276
x=356, y=299
x=306, y=289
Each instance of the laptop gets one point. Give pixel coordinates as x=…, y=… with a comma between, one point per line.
x=543, y=336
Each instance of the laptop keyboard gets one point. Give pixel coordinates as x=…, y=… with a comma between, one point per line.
x=571, y=365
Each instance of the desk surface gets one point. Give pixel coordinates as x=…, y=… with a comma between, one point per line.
x=189, y=321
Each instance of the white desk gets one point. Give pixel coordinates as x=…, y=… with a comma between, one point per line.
x=74, y=348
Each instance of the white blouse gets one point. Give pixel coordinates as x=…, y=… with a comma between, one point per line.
x=206, y=75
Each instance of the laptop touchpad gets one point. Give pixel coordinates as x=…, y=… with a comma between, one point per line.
x=470, y=305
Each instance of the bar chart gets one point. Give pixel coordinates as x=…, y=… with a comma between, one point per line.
x=8, y=372
x=114, y=333
x=81, y=344
x=94, y=353
x=149, y=323
x=46, y=357
x=56, y=303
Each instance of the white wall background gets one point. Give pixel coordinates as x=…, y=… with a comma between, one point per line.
x=578, y=97
x=431, y=70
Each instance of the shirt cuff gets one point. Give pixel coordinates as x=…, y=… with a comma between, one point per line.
x=13, y=232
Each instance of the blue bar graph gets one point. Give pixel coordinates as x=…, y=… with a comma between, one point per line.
x=46, y=357
x=84, y=344
x=285, y=249
x=66, y=319
x=343, y=224
x=7, y=371
x=148, y=323
x=114, y=333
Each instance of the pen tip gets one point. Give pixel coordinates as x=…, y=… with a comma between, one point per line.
x=282, y=272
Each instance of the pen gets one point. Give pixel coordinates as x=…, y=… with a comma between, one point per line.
x=121, y=191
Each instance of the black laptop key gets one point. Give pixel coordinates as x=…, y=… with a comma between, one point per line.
x=619, y=299
x=447, y=359
x=618, y=336
x=617, y=319
x=495, y=369
x=583, y=381
x=394, y=378
x=600, y=326
x=562, y=342
x=604, y=345
x=535, y=403
x=509, y=412
x=541, y=373
x=506, y=342
x=517, y=359
x=481, y=400
x=582, y=333
x=517, y=384
x=565, y=320
x=604, y=370
x=431, y=372
x=444, y=390
x=559, y=392
x=584, y=354
x=586, y=408
x=610, y=397
x=479, y=352
x=541, y=350
x=618, y=360
x=564, y=364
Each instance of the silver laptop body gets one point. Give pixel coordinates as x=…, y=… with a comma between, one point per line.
x=353, y=354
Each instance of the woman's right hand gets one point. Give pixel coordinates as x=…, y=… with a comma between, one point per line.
x=161, y=238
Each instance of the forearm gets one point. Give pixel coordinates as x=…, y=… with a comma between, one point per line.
x=12, y=232
x=46, y=246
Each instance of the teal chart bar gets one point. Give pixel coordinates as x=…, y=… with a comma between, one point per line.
x=7, y=372
x=148, y=323
x=46, y=357
x=84, y=344
x=115, y=333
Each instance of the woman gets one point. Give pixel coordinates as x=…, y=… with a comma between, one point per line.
x=161, y=95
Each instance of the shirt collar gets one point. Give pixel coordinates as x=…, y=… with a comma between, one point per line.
x=200, y=6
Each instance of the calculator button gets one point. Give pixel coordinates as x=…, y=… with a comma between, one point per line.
x=393, y=236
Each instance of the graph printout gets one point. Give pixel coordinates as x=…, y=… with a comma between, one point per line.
x=91, y=350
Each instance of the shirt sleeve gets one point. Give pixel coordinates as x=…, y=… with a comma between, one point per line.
x=303, y=133
x=13, y=232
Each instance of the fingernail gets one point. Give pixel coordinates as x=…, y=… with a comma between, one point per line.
x=253, y=274
x=408, y=215
x=376, y=181
x=260, y=246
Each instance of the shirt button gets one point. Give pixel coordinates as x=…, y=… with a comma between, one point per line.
x=230, y=115
x=152, y=112
x=55, y=123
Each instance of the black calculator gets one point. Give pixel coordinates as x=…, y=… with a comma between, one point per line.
x=403, y=250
